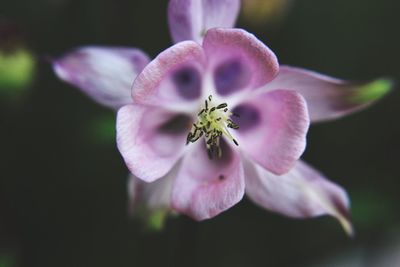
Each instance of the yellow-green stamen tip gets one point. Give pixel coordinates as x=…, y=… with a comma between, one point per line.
x=213, y=122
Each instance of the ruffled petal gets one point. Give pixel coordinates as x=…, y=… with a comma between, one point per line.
x=329, y=98
x=273, y=128
x=105, y=74
x=190, y=19
x=206, y=187
x=150, y=140
x=301, y=193
x=173, y=79
x=238, y=60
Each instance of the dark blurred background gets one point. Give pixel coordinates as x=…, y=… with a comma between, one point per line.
x=63, y=189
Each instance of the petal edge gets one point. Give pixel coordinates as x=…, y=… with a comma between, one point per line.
x=105, y=74
x=329, y=98
x=190, y=19
x=301, y=193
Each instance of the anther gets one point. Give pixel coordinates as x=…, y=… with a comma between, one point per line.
x=223, y=105
x=189, y=138
x=197, y=138
x=213, y=122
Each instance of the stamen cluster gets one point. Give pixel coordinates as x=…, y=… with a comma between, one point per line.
x=213, y=122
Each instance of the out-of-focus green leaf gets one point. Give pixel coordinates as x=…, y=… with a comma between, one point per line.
x=156, y=220
x=102, y=129
x=370, y=208
x=7, y=260
x=17, y=70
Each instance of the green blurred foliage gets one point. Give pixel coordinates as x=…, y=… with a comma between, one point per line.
x=17, y=70
x=371, y=209
x=101, y=130
x=7, y=260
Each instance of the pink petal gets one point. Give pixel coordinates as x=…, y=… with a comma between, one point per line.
x=238, y=60
x=105, y=74
x=190, y=19
x=150, y=140
x=273, y=129
x=328, y=98
x=301, y=193
x=206, y=187
x=173, y=78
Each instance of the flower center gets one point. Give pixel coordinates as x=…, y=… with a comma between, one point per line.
x=213, y=121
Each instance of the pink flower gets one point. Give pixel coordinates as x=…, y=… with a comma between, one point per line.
x=204, y=169
x=186, y=95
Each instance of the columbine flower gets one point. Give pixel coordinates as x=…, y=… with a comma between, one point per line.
x=197, y=106
x=170, y=95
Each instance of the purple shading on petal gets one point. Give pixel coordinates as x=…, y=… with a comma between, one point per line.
x=227, y=155
x=148, y=152
x=230, y=77
x=239, y=60
x=278, y=141
x=176, y=125
x=247, y=117
x=172, y=79
x=188, y=82
x=203, y=188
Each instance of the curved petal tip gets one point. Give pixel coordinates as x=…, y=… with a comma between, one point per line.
x=105, y=74
x=372, y=91
x=301, y=193
x=330, y=98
